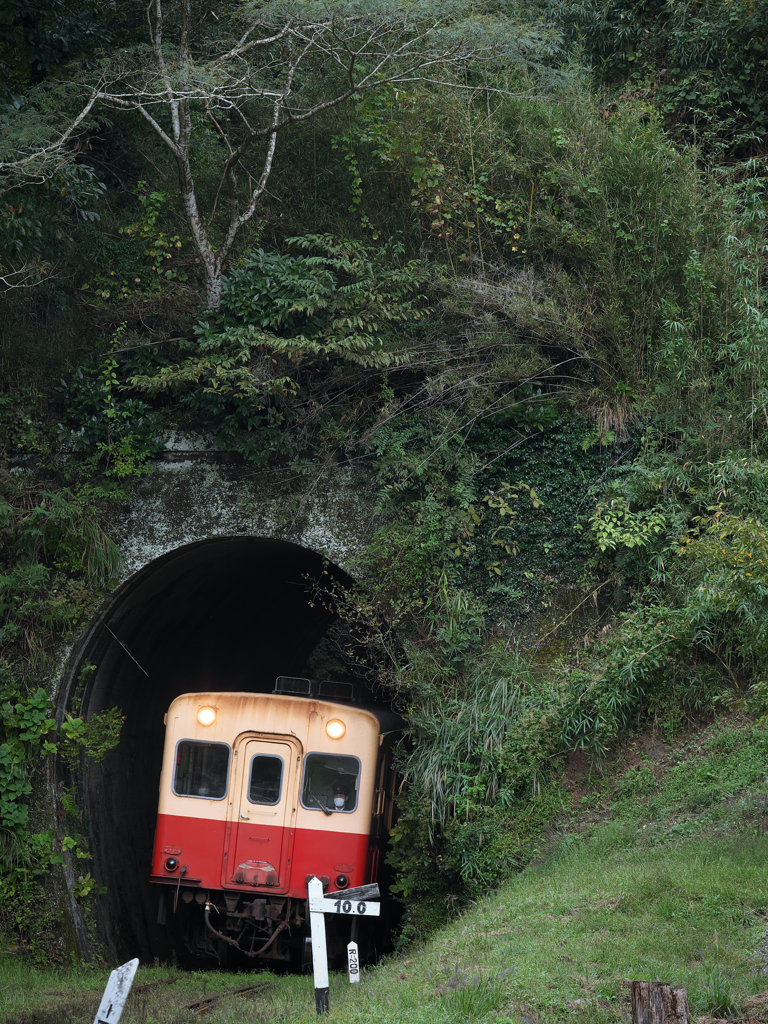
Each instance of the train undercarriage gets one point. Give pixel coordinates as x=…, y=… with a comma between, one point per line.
x=225, y=926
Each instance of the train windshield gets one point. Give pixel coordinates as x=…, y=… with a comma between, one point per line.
x=201, y=769
x=266, y=779
x=330, y=782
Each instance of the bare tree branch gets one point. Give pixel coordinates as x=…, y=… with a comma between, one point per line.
x=245, y=86
x=157, y=43
x=27, y=276
x=55, y=146
x=117, y=101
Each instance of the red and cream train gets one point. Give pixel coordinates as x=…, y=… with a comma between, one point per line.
x=258, y=793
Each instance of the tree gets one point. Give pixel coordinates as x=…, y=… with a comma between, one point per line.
x=252, y=71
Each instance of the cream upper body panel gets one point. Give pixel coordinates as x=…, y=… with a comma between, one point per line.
x=361, y=741
x=303, y=720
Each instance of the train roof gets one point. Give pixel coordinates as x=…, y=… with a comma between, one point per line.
x=338, y=692
x=389, y=720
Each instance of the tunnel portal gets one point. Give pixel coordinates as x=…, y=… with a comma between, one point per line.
x=222, y=614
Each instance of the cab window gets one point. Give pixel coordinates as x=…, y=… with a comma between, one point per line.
x=266, y=779
x=201, y=769
x=330, y=783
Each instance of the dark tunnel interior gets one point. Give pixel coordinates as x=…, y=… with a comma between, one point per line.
x=222, y=614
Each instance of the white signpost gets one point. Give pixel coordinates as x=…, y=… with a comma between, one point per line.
x=353, y=902
x=353, y=961
x=116, y=993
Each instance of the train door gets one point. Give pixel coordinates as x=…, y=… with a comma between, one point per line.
x=263, y=806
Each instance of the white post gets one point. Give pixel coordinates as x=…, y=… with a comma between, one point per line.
x=354, y=961
x=116, y=993
x=319, y=951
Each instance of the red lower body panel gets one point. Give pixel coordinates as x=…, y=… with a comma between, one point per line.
x=328, y=854
x=203, y=847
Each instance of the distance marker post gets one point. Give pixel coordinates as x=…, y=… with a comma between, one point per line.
x=354, y=903
x=353, y=960
x=116, y=993
x=319, y=949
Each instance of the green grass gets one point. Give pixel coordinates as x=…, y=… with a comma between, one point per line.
x=557, y=943
x=661, y=883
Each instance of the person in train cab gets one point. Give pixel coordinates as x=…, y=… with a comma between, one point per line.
x=327, y=776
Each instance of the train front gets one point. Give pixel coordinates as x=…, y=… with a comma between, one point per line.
x=258, y=793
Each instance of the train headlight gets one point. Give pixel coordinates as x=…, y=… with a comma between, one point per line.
x=206, y=716
x=335, y=729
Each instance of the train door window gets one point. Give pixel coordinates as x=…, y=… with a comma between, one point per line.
x=330, y=782
x=201, y=769
x=266, y=779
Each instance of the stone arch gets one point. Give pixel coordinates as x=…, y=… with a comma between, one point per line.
x=226, y=613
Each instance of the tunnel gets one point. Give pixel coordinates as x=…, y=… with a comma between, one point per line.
x=222, y=614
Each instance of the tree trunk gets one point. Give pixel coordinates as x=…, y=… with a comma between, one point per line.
x=213, y=291
x=211, y=264
x=655, y=1002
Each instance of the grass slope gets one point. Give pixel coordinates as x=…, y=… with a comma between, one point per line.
x=665, y=875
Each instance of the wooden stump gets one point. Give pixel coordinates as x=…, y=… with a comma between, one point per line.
x=654, y=1002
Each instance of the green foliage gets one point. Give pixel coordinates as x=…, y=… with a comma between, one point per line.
x=548, y=544
x=27, y=734
x=39, y=38
x=55, y=554
x=283, y=319
x=119, y=432
x=345, y=301
x=25, y=724
x=499, y=500
x=703, y=632
x=703, y=65
x=151, y=259
x=94, y=737
x=757, y=700
x=638, y=781
x=483, y=728
x=615, y=525
x=457, y=198
x=53, y=547
x=535, y=324
x=129, y=442
x=573, y=226
x=33, y=219
x=449, y=508
x=731, y=600
x=483, y=745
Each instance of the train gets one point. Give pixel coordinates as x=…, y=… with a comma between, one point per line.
x=259, y=792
